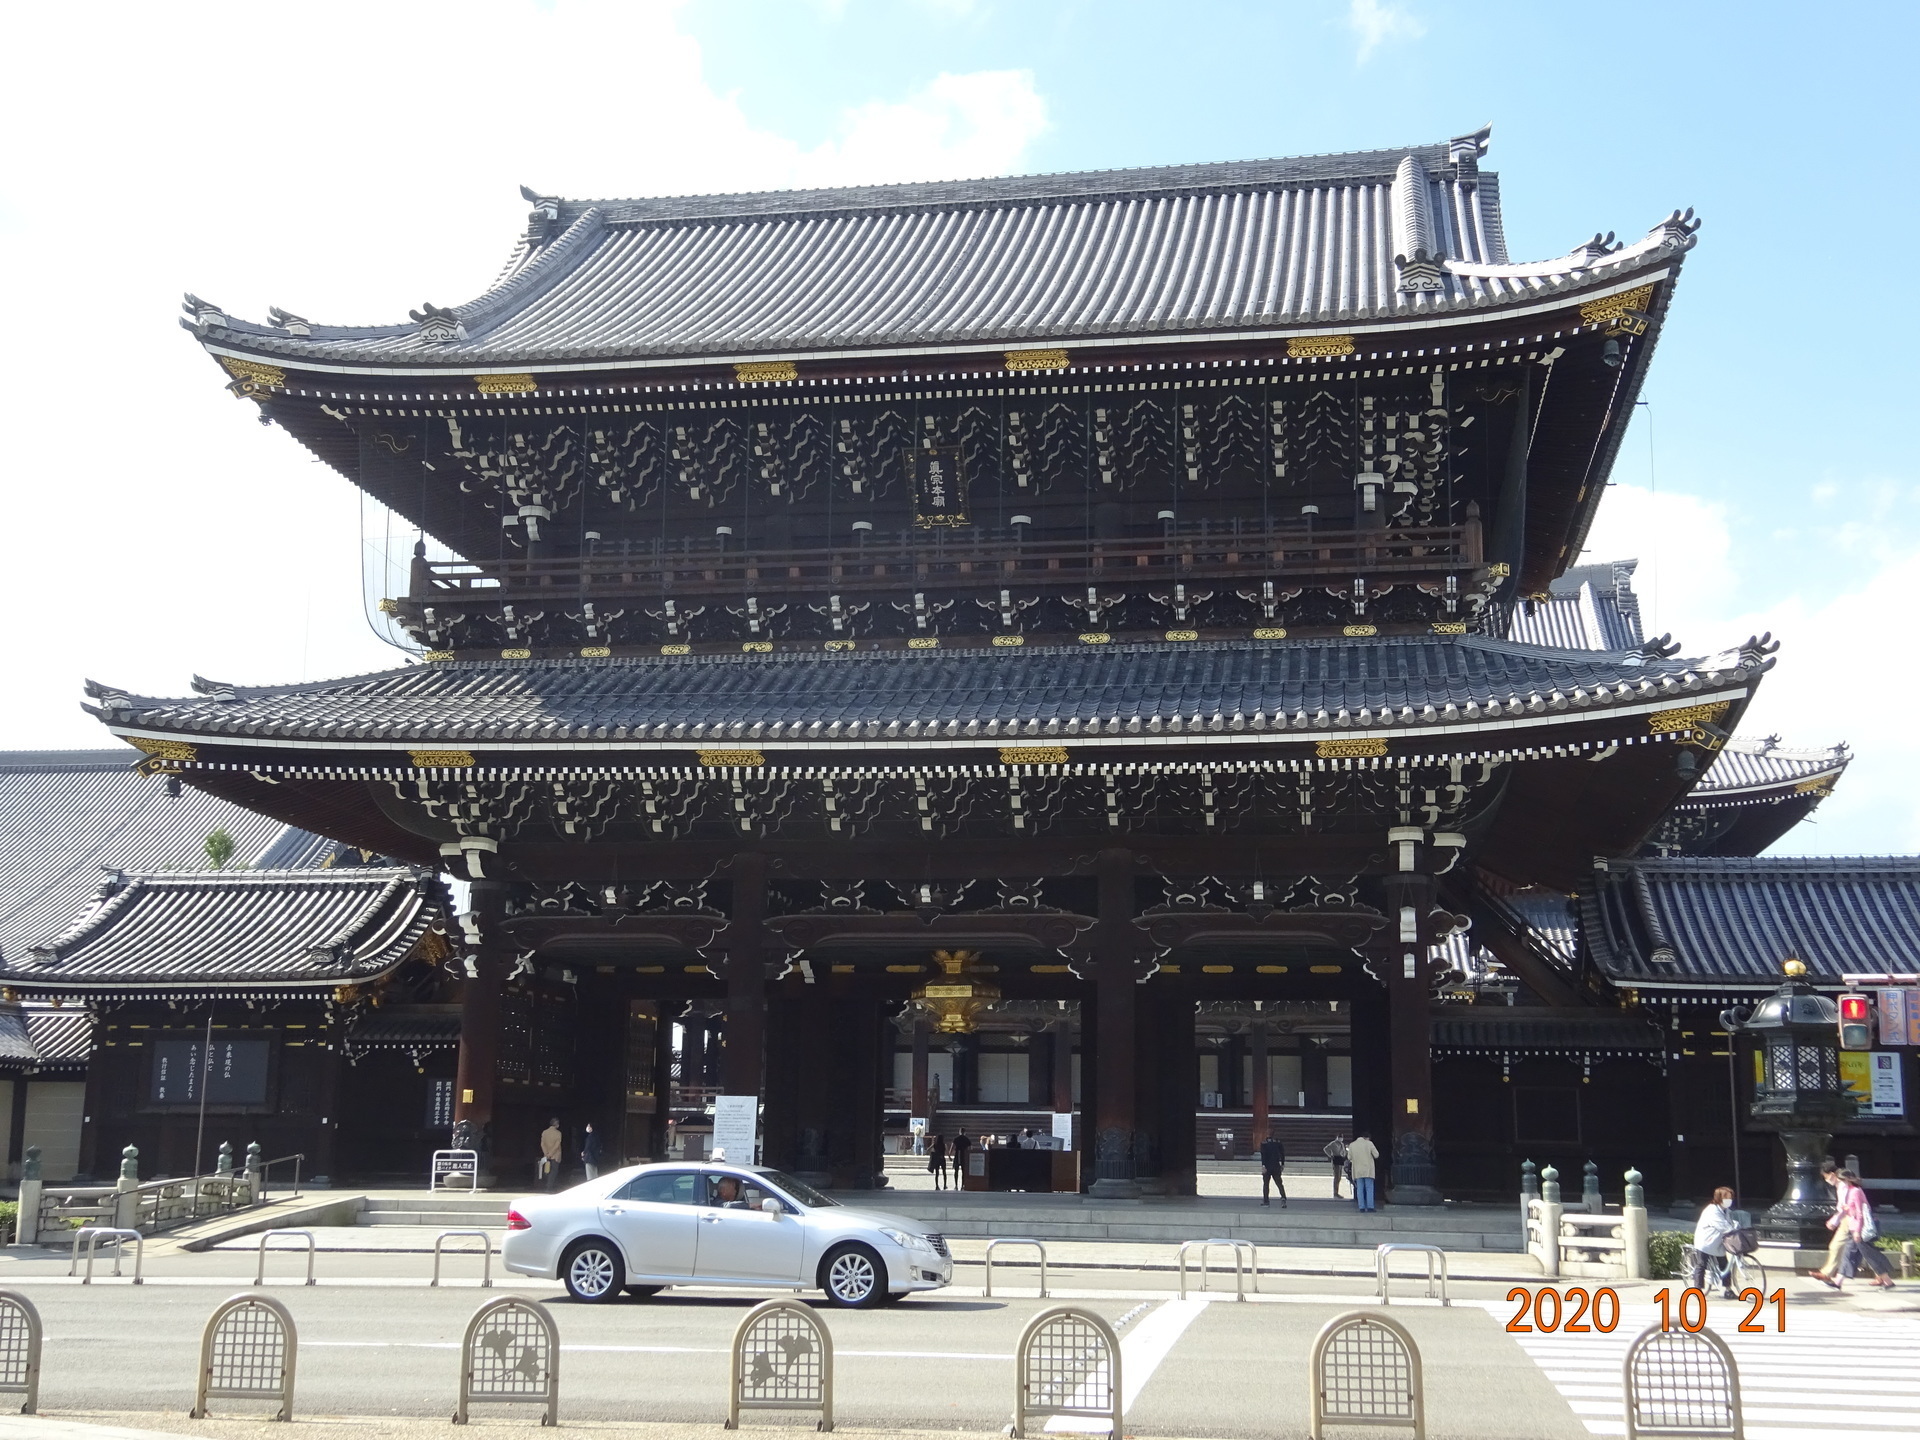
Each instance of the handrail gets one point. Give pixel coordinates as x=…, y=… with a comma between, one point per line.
x=972, y=561
x=1016, y=1240
x=1240, y=1266
x=93, y=1235
x=486, y=1261
x=1384, y=1275
x=267, y=1165
x=260, y=1272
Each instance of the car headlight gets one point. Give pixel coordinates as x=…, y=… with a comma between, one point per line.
x=907, y=1240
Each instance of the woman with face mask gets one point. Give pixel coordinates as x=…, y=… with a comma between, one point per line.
x=1710, y=1234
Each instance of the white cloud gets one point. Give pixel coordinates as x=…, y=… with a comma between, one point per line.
x=345, y=164
x=1836, y=677
x=1377, y=23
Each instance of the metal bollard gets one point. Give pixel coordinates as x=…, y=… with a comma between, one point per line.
x=247, y=1352
x=1681, y=1383
x=486, y=1254
x=20, y=1337
x=1365, y=1370
x=93, y=1235
x=510, y=1356
x=260, y=1272
x=1382, y=1275
x=1011, y=1240
x=1067, y=1363
x=782, y=1360
x=1241, y=1264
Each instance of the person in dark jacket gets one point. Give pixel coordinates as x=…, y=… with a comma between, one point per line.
x=961, y=1144
x=937, y=1161
x=590, y=1153
x=1273, y=1161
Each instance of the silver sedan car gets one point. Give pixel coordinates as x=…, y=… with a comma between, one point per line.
x=650, y=1226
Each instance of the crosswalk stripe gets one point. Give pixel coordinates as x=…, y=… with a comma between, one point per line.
x=1824, y=1374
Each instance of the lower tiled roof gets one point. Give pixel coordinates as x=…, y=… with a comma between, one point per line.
x=1510, y=1029
x=1384, y=682
x=1743, y=767
x=274, y=929
x=36, y=1038
x=1732, y=923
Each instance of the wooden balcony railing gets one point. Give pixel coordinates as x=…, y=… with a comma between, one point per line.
x=963, y=560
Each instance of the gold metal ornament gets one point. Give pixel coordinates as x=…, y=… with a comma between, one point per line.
x=956, y=999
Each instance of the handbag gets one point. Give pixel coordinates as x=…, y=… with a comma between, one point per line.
x=1743, y=1241
x=1869, y=1227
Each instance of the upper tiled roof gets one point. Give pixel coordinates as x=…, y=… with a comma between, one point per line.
x=1590, y=607
x=274, y=929
x=67, y=814
x=1746, y=766
x=929, y=695
x=1693, y=923
x=35, y=1039
x=1167, y=250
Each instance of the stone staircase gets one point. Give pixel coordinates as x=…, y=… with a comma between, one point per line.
x=438, y=1210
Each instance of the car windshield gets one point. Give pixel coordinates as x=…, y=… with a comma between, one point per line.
x=799, y=1190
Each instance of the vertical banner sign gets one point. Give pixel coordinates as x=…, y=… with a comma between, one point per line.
x=1889, y=1100
x=736, y=1123
x=939, y=488
x=1892, y=1005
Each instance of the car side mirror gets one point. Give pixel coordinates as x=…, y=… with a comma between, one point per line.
x=772, y=1206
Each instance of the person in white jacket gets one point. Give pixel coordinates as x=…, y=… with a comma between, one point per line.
x=1710, y=1234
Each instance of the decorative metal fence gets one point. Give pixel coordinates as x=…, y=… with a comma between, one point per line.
x=20, y=1336
x=1683, y=1383
x=1365, y=1370
x=782, y=1360
x=510, y=1356
x=247, y=1352
x=1067, y=1363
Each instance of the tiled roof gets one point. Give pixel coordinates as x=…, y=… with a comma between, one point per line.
x=35, y=1038
x=928, y=695
x=65, y=815
x=1510, y=1029
x=1590, y=607
x=1745, y=766
x=1711, y=922
x=270, y=928
x=1168, y=250
x=408, y=1028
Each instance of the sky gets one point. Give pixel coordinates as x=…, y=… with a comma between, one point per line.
x=348, y=162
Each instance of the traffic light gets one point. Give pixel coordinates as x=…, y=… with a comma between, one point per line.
x=1856, y=1022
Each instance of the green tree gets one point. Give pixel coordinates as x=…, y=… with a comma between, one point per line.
x=219, y=849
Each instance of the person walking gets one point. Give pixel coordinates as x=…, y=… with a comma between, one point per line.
x=937, y=1161
x=590, y=1153
x=1710, y=1234
x=552, y=1145
x=1273, y=1162
x=1336, y=1151
x=1362, y=1154
x=961, y=1144
x=1864, y=1251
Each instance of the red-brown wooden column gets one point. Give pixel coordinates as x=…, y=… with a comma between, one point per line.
x=1411, y=1177
x=1114, y=1009
x=921, y=1043
x=746, y=977
x=479, y=1062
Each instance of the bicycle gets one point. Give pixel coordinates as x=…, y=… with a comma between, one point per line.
x=1733, y=1272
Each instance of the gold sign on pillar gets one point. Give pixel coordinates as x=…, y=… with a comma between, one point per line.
x=959, y=995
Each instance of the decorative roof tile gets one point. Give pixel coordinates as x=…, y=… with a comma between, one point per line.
x=1186, y=249
x=1731, y=923
x=925, y=697
x=1510, y=1029
x=274, y=929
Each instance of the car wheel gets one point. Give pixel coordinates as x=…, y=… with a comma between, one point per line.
x=853, y=1277
x=644, y=1292
x=592, y=1271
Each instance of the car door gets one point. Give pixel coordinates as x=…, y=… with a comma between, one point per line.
x=655, y=1218
x=741, y=1242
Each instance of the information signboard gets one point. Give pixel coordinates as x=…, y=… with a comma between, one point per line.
x=237, y=1074
x=1874, y=1078
x=736, y=1124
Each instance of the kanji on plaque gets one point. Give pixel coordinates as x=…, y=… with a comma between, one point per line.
x=939, y=488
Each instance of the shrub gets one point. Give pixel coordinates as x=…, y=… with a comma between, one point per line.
x=1663, y=1252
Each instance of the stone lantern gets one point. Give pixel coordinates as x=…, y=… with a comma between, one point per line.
x=1799, y=1095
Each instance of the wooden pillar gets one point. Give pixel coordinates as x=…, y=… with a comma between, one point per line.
x=1179, y=1095
x=1149, y=1071
x=854, y=1114
x=1411, y=1175
x=479, y=1063
x=693, y=1050
x=1262, y=1096
x=746, y=977
x=1039, y=1069
x=922, y=1032
x=1062, y=1032
x=1114, y=1009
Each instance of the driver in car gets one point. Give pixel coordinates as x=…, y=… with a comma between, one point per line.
x=726, y=1194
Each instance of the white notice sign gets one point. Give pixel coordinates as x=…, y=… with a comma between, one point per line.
x=1063, y=1130
x=736, y=1124
x=1888, y=1097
